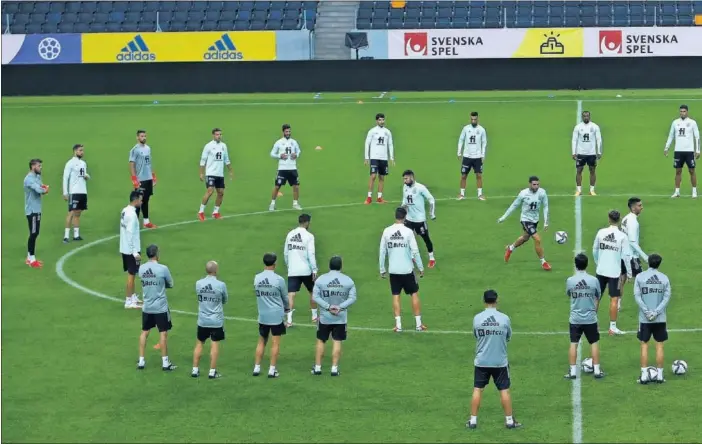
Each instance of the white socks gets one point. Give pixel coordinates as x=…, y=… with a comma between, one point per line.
x=271, y=370
x=290, y=317
x=76, y=231
x=578, y=189
x=473, y=420
x=677, y=191
x=509, y=420
x=573, y=370
x=257, y=368
x=317, y=368
x=213, y=371
x=294, y=202
x=146, y=221
x=480, y=192
x=398, y=322
x=597, y=369
x=202, y=209
x=273, y=203
x=142, y=361
x=314, y=313
x=335, y=369
x=511, y=247
x=660, y=374
x=216, y=210
x=592, y=188
x=380, y=195
x=370, y=194
x=66, y=233
x=612, y=325
x=543, y=260
x=463, y=191
x=431, y=256
x=418, y=320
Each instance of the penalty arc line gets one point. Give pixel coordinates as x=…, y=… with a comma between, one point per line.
x=60, y=272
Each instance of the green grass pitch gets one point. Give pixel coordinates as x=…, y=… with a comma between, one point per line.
x=69, y=357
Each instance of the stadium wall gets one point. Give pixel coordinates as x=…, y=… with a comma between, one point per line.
x=352, y=75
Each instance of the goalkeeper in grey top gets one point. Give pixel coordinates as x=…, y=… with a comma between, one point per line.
x=272, y=299
x=493, y=330
x=652, y=293
x=584, y=292
x=334, y=293
x=155, y=278
x=211, y=297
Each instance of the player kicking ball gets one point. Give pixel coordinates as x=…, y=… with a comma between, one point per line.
x=531, y=200
x=414, y=197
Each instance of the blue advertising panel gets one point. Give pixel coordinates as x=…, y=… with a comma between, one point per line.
x=35, y=49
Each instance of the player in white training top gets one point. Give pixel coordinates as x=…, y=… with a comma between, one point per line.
x=378, y=150
x=610, y=250
x=300, y=257
x=414, y=199
x=586, y=148
x=214, y=156
x=75, y=191
x=687, y=148
x=286, y=150
x=630, y=227
x=471, y=152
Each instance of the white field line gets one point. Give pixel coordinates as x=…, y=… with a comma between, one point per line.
x=576, y=390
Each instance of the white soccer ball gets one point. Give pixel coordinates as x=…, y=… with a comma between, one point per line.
x=561, y=237
x=587, y=365
x=679, y=367
x=652, y=373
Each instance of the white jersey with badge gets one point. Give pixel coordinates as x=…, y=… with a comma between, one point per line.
x=414, y=198
x=379, y=144
x=299, y=253
x=630, y=227
x=287, y=147
x=129, y=239
x=214, y=157
x=74, y=176
x=686, y=135
x=587, y=139
x=610, y=248
x=473, y=142
x=531, y=203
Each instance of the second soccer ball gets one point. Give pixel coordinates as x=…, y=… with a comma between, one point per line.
x=561, y=237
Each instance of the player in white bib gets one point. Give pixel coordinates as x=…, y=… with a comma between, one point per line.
x=586, y=148
x=471, y=152
x=687, y=148
x=286, y=150
x=414, y=199
x=378, y=151
x=214, y=157
x=75, y=191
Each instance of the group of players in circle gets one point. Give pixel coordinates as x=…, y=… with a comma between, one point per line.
x=332, y=293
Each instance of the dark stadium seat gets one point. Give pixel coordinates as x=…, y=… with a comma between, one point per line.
x=33, y=28
x=113, y=27
x=81, y=28
x=42, y=7
x=26, y=7
x=129, y=27
x=10, y=7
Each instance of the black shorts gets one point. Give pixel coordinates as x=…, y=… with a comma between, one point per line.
x=214, y=333
x=499, y=375
x=77, y=202
x=403, y=282
x=379, y=167
x=337, y=332
x=130, y=264
x=214, y=182
x=295, y=283
x=162, y=321
x=592, y=333
x=475, y=164
x=581, y=160
x=635, y=267
x=612, y=283
x=682, y=158
x=147, y=188
x=34, y=222
x=530, y=228
x=267, y=330
x=287, y=176
x=658, y=330
x=420, y=228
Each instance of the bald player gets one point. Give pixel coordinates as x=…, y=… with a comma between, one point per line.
x=211, y=296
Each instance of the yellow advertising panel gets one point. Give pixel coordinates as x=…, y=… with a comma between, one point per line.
x=179, y=47
x=553, y=42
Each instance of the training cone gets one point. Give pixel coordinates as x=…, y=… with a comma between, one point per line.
x=318, y=148
x=280, y=194
x=360, y=102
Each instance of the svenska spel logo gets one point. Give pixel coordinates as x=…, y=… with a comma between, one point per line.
x=223, y=49
x=416, y=44
x=611, y=42
x=136, y=50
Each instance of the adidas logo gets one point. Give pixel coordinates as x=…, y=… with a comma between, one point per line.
x=582, y=285
x=397, y=236
x=653, y=280
x=223, y=49
x=610, y=238
x=334, y=283
x=296, y=238
x=136, y=51
x=491, y=322
x=148, y=274
x=264, y=283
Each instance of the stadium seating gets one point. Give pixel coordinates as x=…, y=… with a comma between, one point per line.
x=144, y=16
x=526, y=14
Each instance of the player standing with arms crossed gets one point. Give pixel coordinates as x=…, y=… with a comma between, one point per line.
x=299, y=255
x=399, y=245
x=531, y=199
x=143, y=177
x=130, y=246
x=211, y=297
x=378, y=149
x=493, y=330
x=272, y=302
x=33, y=191
x=471, y=152
x=652, y=293
x=687, y=149
x=214, y=157
x=286, y=150
x=75, y=191
x=610, y=250
x=414, y=197
x=586, y=148
x=334, y=293
x=155, y=278
x=584, y=293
